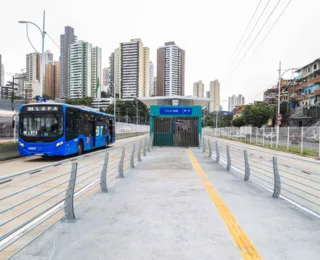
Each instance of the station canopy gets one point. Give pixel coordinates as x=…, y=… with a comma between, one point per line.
x=175, y=101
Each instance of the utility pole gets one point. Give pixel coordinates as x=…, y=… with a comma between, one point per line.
x=279, y=87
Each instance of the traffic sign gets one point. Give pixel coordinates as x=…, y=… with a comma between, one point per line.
x=278, y=122
x=279, y=116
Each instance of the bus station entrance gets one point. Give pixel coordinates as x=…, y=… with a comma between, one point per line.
x=175, y=126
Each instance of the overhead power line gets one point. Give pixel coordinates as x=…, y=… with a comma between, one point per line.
x=254, y=27
x=237, y=65
x=53, y=40
x=274, y=24
x=254, y=14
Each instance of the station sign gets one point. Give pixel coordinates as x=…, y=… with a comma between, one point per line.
x=175, y=111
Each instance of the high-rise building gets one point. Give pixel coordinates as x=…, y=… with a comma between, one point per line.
x=146, y=73
x=33, y=67
x=151, y=77
x=20, y=79
x=96, y=60
x=115, y=72
x=155, y=86
x=241, y=100
x=65, y=40
x=198, y=89
x=170, y=70
x=52, y=80
x=105, y=76
x=80, y=58
x=134, y=69
x=215, y=95
x=208, y=96
x=234, y=101
x=1, y=72
x=48, y=57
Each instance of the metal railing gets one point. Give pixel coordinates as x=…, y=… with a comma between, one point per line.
x=302, y=140
x=290, y=177
x=128, y=128
x=28, y=210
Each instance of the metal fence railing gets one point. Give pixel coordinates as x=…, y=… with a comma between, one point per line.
x=41, y=200
x=302, y=140
x=291, y=177
x=128, y=128
x=7, y=132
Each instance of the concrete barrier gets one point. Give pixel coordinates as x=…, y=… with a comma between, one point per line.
x=10, y=150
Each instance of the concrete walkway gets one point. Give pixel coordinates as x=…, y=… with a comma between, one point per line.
x=166, y=208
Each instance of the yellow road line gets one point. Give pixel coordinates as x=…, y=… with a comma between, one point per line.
x=246, y=247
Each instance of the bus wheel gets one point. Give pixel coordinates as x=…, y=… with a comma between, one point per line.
x=80, y=148
x=107, y=142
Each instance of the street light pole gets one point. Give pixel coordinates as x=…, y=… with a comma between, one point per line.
x=278, y=125
x=42, y=65
x=42, y=56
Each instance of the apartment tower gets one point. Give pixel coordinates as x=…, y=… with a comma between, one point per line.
x=215, y=95
x=198, y=89
x=66, y=40
x=170, y=70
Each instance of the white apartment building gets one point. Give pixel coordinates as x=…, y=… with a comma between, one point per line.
x=96, y=68
x=80, y=59
x=198, y=89
x=234, y=101
x=215, y=95
x=134, y=70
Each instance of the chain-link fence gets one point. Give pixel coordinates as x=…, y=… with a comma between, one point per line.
x=302, y=140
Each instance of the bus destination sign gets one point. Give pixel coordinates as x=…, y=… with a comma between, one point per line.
x=42, y=108
x=175, y=110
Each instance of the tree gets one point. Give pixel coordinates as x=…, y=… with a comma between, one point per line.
x=258, y=114
x=238, y=122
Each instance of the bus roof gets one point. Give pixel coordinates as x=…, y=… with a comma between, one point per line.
x=84, y=108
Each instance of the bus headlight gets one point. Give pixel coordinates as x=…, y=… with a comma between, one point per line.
x=21, y=144
x=59, y=144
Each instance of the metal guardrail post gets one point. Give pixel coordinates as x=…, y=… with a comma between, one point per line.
x=132, y=156
x=149, y=144
x=139, y=151
x=68, y=202
x=247, y=166
x=103, y=177
x=228, y=158
x=277, y=181
x=204, y=145
x=199, y=140
x=121, y=163
x=217, y=151
x=210, y=149
x=145, y=146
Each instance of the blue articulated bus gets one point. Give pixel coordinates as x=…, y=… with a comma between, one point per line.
x=60, y=129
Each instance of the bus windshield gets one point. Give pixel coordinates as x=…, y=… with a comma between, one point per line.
x=44, y=125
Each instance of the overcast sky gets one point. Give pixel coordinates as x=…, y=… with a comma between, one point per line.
x=208, y=30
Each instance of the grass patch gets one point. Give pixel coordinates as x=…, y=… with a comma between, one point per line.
x=7, y=143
